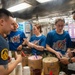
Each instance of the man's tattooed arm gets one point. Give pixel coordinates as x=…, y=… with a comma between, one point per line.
x=5, y=66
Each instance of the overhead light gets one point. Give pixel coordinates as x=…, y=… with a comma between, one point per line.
x=19, y=7
x=42, y=1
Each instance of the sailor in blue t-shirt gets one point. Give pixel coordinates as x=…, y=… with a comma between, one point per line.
x=37, y=41
x=16, y=39
x=58, y=41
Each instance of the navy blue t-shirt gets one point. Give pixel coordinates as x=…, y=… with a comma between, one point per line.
x=15, y=39
x=3, y=51
x=41, y=41
x=59, y=42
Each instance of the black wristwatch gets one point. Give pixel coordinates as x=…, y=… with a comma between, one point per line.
x=69, y=60
x=24, y=45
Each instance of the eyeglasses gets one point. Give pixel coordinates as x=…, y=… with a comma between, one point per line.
x=60, y=25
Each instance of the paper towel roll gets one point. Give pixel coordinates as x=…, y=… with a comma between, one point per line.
x=26, y=70
x=19, y=69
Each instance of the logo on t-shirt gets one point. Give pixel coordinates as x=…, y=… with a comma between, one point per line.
x=15, y=39
x=60, y=45
x=4, y=54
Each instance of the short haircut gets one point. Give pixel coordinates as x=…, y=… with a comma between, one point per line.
x=4, y=12
x=38, y=27
x=59, y=19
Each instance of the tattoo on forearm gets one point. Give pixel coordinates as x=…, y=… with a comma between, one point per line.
x=5, y=66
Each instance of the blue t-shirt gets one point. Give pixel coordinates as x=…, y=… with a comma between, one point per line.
x=4, y=47
x=15, y=39
x=41, y=41
x=59, y=42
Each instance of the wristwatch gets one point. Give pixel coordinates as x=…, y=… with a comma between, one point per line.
x=23, y=45
x=69, y=60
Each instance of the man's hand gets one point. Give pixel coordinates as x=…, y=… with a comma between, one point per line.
x=25, y=41
x=18, y=57
x=64, y=60
x=19, y=47
x=59, y=55
x=73, y=59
